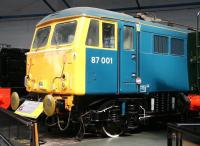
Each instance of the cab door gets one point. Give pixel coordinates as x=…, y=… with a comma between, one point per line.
x=127, y=57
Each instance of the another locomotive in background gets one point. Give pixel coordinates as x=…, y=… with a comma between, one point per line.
x=12, y=72
x=108, y=70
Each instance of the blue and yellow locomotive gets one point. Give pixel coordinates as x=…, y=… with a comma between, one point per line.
x=107, y=69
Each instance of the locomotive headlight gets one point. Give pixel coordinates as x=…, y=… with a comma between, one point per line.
x=40, y=84
x=138, y=80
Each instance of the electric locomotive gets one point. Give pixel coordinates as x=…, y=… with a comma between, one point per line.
x=107, y=70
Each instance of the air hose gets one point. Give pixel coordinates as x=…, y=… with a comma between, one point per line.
x=67, y=125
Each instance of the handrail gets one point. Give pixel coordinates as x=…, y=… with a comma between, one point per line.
x=5, y=140
x=23, y=120
x=197, y=50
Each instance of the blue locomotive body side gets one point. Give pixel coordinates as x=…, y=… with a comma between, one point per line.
x=162, y=72
x=159, y=72
x=101, y=76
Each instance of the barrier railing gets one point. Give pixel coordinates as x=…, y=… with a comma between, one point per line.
x=183, y=134
x=16, y=130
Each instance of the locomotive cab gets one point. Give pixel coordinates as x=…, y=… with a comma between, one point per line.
x=56, y=61
x=52, y=60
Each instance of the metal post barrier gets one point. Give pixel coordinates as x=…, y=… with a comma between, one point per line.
x=197, y=51
x=177, y=133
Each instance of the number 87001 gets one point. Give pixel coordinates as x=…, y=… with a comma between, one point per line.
x=102, y=60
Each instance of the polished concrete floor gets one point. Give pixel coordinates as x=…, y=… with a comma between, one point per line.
x=147, y=137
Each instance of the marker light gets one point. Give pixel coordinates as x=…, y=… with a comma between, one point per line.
x=138, y=80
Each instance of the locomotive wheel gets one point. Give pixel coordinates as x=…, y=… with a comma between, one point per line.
x=112, y=129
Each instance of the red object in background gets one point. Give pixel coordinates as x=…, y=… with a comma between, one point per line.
x=194, y=102
x=5, y=97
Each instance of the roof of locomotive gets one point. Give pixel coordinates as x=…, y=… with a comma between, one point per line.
x=101, y=13
x=86, y=11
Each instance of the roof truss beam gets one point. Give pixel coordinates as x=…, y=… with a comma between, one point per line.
x=66, y=3
x=158, y=6
x=115, y=9
x=138, y=4
x=48, y=4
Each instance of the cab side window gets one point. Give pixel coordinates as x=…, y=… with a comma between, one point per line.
x=128, y=38
x=160, y=44
x=108, y=35
x=93, y=34
x=177, y=46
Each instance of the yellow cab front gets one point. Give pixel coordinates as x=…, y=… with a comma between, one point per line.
x=56, y=61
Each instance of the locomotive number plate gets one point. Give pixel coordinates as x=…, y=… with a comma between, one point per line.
x=101, y=60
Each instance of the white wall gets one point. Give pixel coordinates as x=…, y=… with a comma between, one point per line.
x=19, y=33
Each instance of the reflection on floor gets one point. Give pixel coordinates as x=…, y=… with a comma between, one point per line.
x=149, y=136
